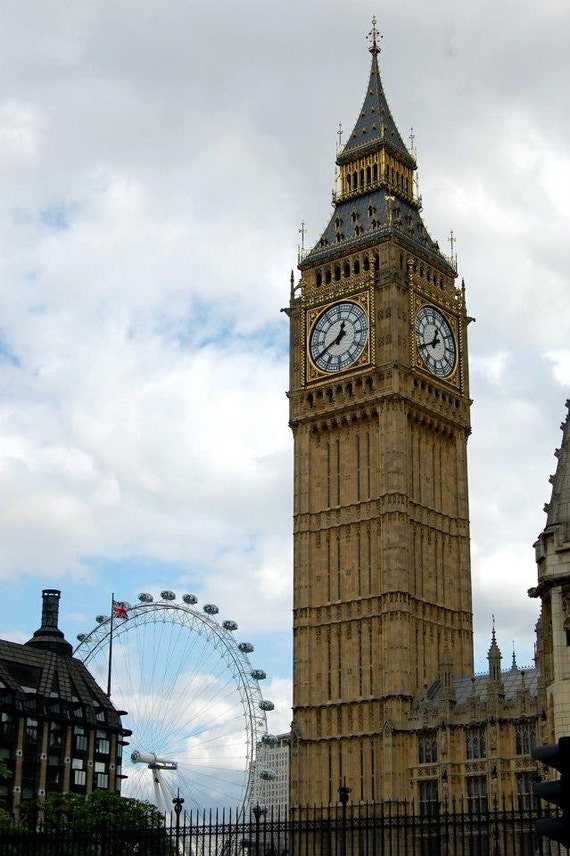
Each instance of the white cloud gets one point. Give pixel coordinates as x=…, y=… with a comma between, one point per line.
x=155, y=169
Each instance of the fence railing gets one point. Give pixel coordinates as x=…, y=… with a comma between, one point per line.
x=352, y=830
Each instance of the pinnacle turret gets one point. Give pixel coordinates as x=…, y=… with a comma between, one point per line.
x=558, y=509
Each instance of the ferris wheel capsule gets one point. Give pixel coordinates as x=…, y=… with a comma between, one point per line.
x=265, y=704
x=167, y=595
x=229, y=625
x=245, y=647
x=190, y=599
x=81, y=636
x=267, y=775
x=145, y=597
x=258, y=674
x=211, y=608
x=101, y=619
x=269, y=740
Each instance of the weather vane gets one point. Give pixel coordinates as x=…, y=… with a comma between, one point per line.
x=373, y=36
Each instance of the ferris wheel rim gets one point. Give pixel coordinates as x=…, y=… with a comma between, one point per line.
x=222, y=641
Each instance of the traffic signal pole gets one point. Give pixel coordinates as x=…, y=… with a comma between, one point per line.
x=556, y=792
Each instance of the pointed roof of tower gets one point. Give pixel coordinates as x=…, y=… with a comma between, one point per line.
x=375, y=124
x=558, y=509
x=379, y=200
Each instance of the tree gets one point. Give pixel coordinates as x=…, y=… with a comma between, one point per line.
x=106, y=821
x=100, y=809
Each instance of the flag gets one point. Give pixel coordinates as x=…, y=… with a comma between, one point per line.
x=119, y=609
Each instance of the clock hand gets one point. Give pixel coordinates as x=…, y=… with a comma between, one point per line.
x=435, y=341
x=336, y=341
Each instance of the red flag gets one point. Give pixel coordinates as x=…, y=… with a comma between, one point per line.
x=119, y=609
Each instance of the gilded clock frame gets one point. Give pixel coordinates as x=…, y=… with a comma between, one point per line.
x=418, y=302
x=312, y=374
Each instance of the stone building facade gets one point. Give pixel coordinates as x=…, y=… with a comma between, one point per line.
x=385, y=700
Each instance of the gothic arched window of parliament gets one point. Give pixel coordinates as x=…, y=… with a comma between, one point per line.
x=385, y=699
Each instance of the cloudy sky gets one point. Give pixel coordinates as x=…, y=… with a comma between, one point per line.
x=156, y=162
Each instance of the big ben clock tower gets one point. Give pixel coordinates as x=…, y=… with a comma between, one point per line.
x=379, y=408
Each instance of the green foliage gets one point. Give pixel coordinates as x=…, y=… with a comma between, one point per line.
x=7, y=822
x=100, y=809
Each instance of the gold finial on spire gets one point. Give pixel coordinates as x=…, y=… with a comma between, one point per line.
x=301, y=248
x=453, y=257
x=373, y=37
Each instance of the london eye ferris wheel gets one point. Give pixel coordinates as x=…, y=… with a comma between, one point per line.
x=193, y=699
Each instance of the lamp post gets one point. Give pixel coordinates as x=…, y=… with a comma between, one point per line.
x=178, y=800
x=343, y=795
x=258, y=811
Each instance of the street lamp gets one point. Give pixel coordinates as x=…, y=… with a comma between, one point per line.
x=178, y=801
x=343, y=795
x=258, y=812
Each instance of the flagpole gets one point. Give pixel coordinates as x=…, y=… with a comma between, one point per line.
x=111, y=646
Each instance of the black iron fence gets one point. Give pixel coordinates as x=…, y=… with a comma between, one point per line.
x=352, y=830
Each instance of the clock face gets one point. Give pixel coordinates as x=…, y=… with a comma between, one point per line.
x=435, y=341
x=338, y=336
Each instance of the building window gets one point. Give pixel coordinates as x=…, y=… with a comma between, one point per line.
x=81, y=740
x=31, y=730
x=429, y=797
x=477, y=794
x=79, y=777
x=102, y=745
x=525, y=791
x=7, y=727
x=475, y=744
x=427, y=748
x=525, y=740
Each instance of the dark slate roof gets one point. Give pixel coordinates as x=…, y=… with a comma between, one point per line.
x=365, y=219
x=32, y=675
x=375, y=124
x=558, y=509
x=512, y=681
x=42, y=675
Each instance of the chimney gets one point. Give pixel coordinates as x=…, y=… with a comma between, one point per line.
x=49, y=637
